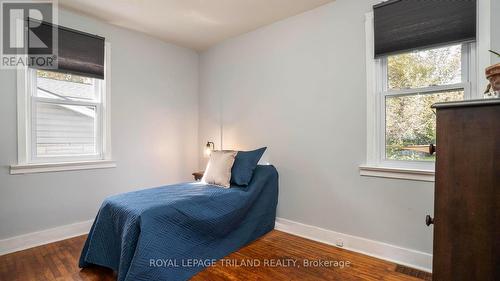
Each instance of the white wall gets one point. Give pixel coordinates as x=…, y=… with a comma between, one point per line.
x=154, y=134
x=495, y=30
x=299, y=86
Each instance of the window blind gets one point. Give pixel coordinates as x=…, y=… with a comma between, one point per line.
x=77, y=52
x=404, y=25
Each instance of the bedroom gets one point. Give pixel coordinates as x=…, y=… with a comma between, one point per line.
x=295, y=76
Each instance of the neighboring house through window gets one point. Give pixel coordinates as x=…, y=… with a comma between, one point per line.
x=66, y=123
x=64, y=113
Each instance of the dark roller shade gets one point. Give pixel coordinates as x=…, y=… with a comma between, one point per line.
x=78, y=52
x=403, y=25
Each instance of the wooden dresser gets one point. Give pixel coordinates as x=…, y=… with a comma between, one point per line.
x=467, y=192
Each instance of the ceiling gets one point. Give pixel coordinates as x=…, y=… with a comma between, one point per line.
x=196, y=24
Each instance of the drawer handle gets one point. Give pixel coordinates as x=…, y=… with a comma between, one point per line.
x=429, y=220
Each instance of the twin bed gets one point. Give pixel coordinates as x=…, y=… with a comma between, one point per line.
x=173, y=232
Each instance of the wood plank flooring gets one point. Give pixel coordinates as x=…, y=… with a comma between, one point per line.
x=59, y=261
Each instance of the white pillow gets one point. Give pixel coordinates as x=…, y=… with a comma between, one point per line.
x=218, y=170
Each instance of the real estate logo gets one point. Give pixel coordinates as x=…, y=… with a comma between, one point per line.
x=29, y=34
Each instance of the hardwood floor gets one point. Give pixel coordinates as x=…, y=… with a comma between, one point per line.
x=59, y=261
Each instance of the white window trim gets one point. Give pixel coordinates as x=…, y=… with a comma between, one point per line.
x=400, y=169
x=24, y=130
x=63, y=166
x=34, y=159
x=382, y=91
x=396, y=173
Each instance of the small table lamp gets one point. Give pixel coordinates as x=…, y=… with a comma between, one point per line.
x=209, y=148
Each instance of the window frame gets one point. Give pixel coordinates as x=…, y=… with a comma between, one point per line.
x=382, y=91
x=478, y=60
x=98, y=122
x=26, y=161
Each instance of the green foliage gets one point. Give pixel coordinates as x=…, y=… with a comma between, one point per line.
x=409, y=119
x=425, y=68
x=493, y=52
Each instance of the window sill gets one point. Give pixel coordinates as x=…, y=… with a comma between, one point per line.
x=396, y=173
x=58, y=167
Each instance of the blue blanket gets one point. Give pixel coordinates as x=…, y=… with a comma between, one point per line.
x=173, y=232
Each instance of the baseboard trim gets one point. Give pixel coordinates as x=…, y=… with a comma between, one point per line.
x=411, y=258
x=34, y=239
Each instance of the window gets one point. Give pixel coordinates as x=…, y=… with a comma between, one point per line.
x=63, y=121
x=411, y=83
x=66, y=117
x=414, y=58
x=403, y=124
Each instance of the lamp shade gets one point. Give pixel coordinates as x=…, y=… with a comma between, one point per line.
x=209, y=147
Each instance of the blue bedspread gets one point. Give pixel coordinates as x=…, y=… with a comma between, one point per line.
x=172, y=232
